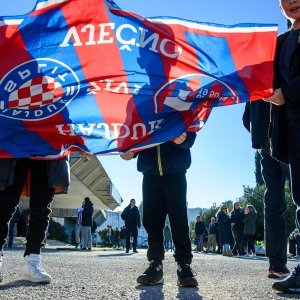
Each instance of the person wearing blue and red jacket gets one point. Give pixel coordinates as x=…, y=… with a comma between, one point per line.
x=164, y=193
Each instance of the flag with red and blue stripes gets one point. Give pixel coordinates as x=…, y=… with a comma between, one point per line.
x=85, y=74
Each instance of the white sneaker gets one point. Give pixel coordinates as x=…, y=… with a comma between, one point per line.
x=1, y=262
x=33, y=270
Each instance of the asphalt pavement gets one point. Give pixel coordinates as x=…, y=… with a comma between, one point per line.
x=112, y=275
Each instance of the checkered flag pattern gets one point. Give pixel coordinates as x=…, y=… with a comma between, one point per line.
x=35, y=93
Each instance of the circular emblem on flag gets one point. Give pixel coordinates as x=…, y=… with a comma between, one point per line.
x=189, y=91
x=37, y=89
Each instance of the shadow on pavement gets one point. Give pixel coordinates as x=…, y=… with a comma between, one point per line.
x=252, y=257
x=19, y=283
x=115, y=254
x=189, y=293
x=288, y=296
x=151, y=292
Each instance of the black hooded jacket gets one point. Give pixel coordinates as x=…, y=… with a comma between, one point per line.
x=131, y=216
x=87, y=213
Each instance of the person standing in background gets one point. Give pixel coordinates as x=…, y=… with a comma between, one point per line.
x=78, y=227
x=87, y=223
x=131, y=216
x=212, y=240
x=123, y=237
x=199, y=234
x=168, y=238
x=224, y=228
x=237, y=227
x=250, y=228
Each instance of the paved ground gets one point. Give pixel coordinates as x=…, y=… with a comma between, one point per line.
x=112, y=275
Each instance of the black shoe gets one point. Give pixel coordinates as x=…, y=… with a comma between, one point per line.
x=153, y=274
x=134, y=251
x=289, y=285
x=83, y=249
x=278, y=271
x=127, y=251
x=186, y=276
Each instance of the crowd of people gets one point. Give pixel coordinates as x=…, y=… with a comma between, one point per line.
x=227, y=233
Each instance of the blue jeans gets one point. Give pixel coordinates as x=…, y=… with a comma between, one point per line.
x=274, y=174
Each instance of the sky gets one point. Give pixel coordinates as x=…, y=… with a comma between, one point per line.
x=222, y=157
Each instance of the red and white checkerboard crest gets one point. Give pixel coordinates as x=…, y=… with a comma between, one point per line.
x=35, y=93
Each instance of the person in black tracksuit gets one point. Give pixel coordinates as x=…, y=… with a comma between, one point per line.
x=256, y=120
x=164, y=193
x=131, y=216
x=285, y=115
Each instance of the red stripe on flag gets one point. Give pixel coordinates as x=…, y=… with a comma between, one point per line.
x=103, y=62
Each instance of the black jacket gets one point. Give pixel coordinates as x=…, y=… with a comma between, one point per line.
x=199, y=228
x=166, y=158
x=256, y=119
x=236, y=217
x=212, y=228
x=250, y=223
x=87, y=213
x=131, y=216
x=291, y=92
x=224, y=228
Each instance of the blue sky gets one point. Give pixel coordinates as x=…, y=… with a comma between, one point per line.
x=223, y=160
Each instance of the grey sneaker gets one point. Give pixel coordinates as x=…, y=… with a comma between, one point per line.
x=33, y=270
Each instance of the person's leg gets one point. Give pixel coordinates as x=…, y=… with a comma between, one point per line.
x=84, y=241
x=128, y=233
x=89, y=237
x=292, y=282
x=9, y=198
x=240, y=238
x=236, y=241
x=197, y=240
x=214, y=242
x=135, y=235
x=209, y=242
x=11, y=234
x=154, y=216
x=250, y=239
x=77, y=235
x=41, y=197
x=201, y=243
x=275, y=207
x=292, y=247
x=175, y=188
x=175, y=191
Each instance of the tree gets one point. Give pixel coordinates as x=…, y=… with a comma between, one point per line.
x=207, y=215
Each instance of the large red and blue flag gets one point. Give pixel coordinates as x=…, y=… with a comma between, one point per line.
x=86, y=74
